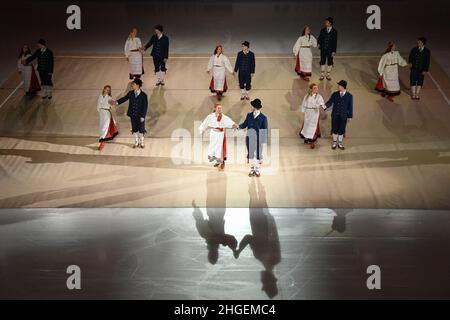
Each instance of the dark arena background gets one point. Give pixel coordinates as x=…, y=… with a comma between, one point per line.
x=161, y=222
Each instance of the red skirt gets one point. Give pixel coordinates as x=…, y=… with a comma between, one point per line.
x=113, y=131
x=34, y=82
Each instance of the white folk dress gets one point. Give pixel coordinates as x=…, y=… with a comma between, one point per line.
x=311, y=108
x=135, y=59
x=388, y=70
x=219, y=64
x=29, y=75
x=302, y=50
x=217, y=137
x=107, y=126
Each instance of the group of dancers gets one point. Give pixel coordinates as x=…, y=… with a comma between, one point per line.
x=256, y=123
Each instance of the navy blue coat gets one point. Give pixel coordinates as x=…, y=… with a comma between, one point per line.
x=327, y=40
x=257, y=124
x=342, y=106
x=420, y=61
x=45, y=60
x=245, y=63
x=160, y=46
x=137, y=107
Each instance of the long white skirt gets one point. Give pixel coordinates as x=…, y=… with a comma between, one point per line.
x=306, y=58
x=216, y=144
x=135, y=63
x=310, y=123
x=219, y=74
x=390, y=78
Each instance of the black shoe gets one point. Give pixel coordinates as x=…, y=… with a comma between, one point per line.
x=49, y=97
x=334, y=145
x=341, y=146
x=44, y=97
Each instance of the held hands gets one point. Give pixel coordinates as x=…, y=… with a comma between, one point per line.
x=142, y=119
x=252, y=75
x=424, y=73
x=349, y=120
x=333, y=54
x=112, y=102
x=165, y=60
x=235, y=126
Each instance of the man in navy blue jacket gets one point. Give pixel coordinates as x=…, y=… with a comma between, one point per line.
x=327, y=44
x=257, y=131
x=160, y=53
x=342, y=103
x=137, y=111
x=245, y=65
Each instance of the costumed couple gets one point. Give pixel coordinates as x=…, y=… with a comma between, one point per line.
x=245, y=67
x=45, y=69
x=418, y=61
x=257, y=129
x=342, y=103
x=160, y=53
x=137, y=111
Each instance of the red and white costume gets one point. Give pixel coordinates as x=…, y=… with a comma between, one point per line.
x=302, y=50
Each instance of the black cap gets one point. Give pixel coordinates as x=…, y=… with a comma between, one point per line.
x=138, y=82
x=246, y=43
x=159, y=27
x=330, y=19
x=343, y=83
x=42, y=42
x=256, y=104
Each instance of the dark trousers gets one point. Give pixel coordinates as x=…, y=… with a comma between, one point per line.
x=159, y=64
x=326, y=57
x=137, y=125
x=245, y=80
x=338, y=125
x=254, y=146
x=416, y=78
x=46, y=79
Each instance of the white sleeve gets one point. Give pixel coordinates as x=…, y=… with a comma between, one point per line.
x=20, y=65
x=210, y=63
x=304, y=103
x=204, y=125
x=227, y=122
x=139, y=43
x=296, y=47
x=401, y=62
x=228, y=64
x=320, y=102
x=99, y=103
x=126, y=49
x=381, y=65
x=313, y=41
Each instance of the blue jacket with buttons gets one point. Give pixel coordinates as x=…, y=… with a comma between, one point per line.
x=137, y=107
x=342, y=106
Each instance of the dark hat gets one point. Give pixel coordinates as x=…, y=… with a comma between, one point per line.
x=256, y=104
x=159, y=27
x=343, y=83
x=42, y=42
x=423, y=39
x=246, y=43
x=329, y=19
x=138, y=82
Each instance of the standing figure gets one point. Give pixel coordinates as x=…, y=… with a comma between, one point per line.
x=245, y=66
x=29, y=77
x=133, y=47
x=160, y=53
x=217, y=122
x=327, y=43
x=137, y=111
x=257, y=131
x=311, y=105
x=342, y=103
x=303, y=53
x=45, y=67
x=388, y=83
x=419, y=60
x=107, y=126
x=219, y=64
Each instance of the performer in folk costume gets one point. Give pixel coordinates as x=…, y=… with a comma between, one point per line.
x=219, y=64
x=217, y=122
x=311, y=105
x=29, y=77
x=303, y=53
x=419, y=61
x=45, y=67
x=245, y=65
x=388, y=83
x=342, y=103
x=107, y=126
x=137, y=111
x=133, y=53
x=257, y=131
x=327, y=43
x=160, y=53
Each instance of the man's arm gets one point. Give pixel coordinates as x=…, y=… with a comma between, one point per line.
x=244, y=124
x=149, y=43
x=253, y=65
x=329, y=103
x=166, y=53
x=32, y=57
x=265, y=131
x=144, y=107
x=350, y=107
x=236, y=65
x=124, y=98
x=51, y=62
x=427, y=61
x=335, y=41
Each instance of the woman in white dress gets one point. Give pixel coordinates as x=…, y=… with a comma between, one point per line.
x=107, y=126
x=133, y=53
x=302, y=52
x=311, y=105
x=30, y=80
x=219, y=64
x=388, y=83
